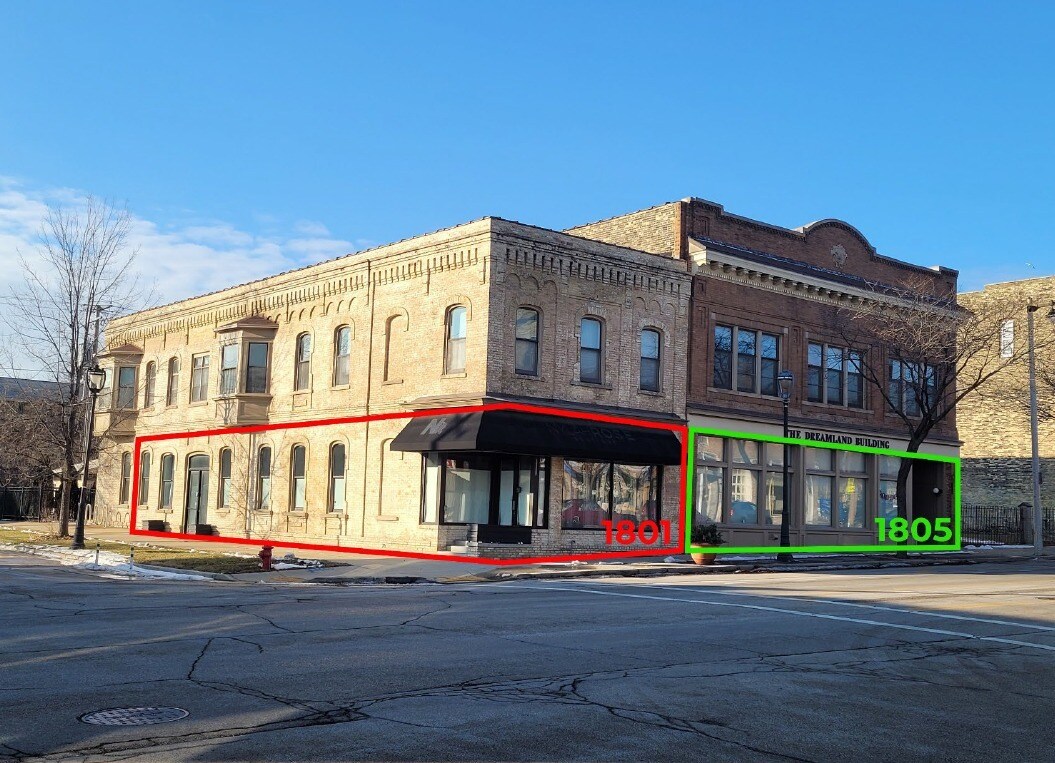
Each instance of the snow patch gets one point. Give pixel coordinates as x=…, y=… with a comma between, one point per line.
x=110, y=564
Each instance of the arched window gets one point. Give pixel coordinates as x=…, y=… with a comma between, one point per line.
x=337, y=477
x=150, y=385
x=263, y=479
x=126, y=476
x=299, y=483
x=302, y=378
x=454, y=362
x=526, y=349
x=342, y=352
x=225, y=478
x=590, y=356
x=144, y=477
x=650, y=342
x=168, y=465
x=172, y=396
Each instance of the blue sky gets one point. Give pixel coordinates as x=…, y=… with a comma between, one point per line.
x=269, y=134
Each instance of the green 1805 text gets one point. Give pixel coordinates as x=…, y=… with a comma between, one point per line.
x=921, y=530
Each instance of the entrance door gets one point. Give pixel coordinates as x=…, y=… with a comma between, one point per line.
x=519, y=497
x=197, y=493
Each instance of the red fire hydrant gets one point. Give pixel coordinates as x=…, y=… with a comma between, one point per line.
x=265, y=558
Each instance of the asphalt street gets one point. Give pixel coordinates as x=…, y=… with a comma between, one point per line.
x=930, y=664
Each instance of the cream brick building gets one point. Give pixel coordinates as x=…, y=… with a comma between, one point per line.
x=491, y=311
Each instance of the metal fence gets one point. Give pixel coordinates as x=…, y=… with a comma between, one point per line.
x=26, y=503
x=1003, y=525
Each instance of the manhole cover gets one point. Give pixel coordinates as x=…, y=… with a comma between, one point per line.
x=134, y=716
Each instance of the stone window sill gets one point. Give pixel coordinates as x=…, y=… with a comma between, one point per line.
x=592, y=385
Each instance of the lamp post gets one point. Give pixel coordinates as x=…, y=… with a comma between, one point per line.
x=786, y=380
x=1038, y=511
x=94, y=380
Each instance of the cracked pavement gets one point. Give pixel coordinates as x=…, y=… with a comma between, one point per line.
x=945, y=663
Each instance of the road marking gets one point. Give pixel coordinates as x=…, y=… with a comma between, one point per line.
x=877, y=607
x=797, y=613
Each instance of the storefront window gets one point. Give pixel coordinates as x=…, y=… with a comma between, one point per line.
x=846, y=473
x=741, y=482
x=467, y=494
x=888, y=468
x=634, y=493
x=587, y=485
x=708, y=494
x=595, y=492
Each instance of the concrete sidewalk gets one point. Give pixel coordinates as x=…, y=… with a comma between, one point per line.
x=349, y=568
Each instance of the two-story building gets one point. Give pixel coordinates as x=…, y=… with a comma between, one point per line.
x=484, y=313
x=765, y=299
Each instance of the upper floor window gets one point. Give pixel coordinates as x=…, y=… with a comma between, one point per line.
x=126, y=387
x=199, y=378
x=172, y=395
x=150, y=385
x=835, y=375
x=342, y=355
x=590, y=357
x=337, y=477
x=299, y=482
x=757, y=360
x=263, y=479
x=228, y=369
x=302, y=377
x=454, y=362
x=910, y=385
x=144, y=477
x=526, y=349
x=168, y=465
x=256, y=367
x=225, y=478
x=126, y=476
x=650, y=365
x=1007, y=339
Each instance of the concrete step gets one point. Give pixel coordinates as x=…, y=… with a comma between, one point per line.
x=459, y=548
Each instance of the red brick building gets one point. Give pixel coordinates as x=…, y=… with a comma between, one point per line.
x=766, y=298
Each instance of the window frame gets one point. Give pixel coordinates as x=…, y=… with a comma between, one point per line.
x=126, y=393
x=199, y=377
x=338, y=357
x=761, y=470
x=331, y=498
x=451, y=342
x=165, y=497
x=302, y=362
x=172, y=382
x=265, y=381
x=294, y=480
x=657, y=362
x=150, y=384
x=125, y=489
x=849, y=356
x=735, y=356
x=229, y=373
x=609, y=513
x=144, y=477
x=532, y=342
x=258, y=500
x=838, y=474
x=226, y=482
x=599, y=349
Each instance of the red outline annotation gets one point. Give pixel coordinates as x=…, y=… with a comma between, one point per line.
x=678, y=428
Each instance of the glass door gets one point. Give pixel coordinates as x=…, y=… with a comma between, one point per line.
x=520, y=492
x=197, y=492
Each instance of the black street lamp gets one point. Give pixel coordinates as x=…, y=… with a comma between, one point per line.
x=94, y=381
x=786, y=380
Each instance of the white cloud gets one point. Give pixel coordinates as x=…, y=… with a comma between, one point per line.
x=180, y=261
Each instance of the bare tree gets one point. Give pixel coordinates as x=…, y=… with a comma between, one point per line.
x=79, y=276
x=926, y=353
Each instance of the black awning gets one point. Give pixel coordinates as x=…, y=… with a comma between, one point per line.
x=538, y=435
